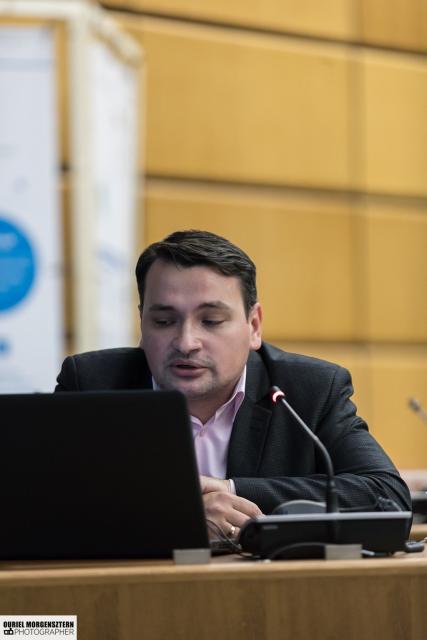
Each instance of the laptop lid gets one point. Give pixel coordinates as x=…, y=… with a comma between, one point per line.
x=106, y=474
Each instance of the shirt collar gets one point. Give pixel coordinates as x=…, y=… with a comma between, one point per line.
x=235, y=400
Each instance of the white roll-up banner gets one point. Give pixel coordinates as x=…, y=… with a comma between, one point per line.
x=114, y=143
x=31, y=323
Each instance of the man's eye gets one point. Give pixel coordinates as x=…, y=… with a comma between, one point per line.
x=163, y=322
x=212, y=323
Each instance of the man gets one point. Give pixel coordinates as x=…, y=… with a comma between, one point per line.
x=201, y=335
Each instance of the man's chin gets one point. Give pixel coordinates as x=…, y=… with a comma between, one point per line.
x=191, y=388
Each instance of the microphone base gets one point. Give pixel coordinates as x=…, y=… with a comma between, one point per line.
x=383, y=532
x=419, y=502
x=299, y=506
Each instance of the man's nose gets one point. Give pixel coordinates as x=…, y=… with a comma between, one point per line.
x=187, y=339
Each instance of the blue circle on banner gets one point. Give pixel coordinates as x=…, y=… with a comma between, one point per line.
x=17, y=265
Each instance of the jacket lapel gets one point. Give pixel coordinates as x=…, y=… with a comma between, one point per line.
x=251, y=424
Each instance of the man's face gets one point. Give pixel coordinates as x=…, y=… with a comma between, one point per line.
x=195, y=333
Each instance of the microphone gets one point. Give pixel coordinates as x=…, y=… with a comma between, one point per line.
x=331, y=490
x=418, y=408
x=302, y=529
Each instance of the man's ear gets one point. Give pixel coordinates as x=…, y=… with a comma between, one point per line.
x=140, y=325
x=255, y=323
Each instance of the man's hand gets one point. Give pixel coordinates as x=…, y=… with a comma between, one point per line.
x=228, y=511
x=209, y=484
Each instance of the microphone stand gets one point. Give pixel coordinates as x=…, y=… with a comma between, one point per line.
x=331, y=490
x=304, y=530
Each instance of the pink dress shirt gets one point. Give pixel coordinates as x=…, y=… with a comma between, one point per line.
x=211, y=439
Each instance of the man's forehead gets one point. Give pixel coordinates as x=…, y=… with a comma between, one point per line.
x=197, y=276
x=169, y=284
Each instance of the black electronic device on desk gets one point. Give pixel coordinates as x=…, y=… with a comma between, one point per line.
x=303, y=529
x=419, y=498
x=305, y=535
x=98, y=475
x=419, y=506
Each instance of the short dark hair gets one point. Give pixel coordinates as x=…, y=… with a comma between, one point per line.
x=193, y=248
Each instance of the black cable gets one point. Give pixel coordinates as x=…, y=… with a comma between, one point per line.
x=315, y=550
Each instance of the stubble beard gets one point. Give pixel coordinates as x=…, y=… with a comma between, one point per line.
x=202, y=388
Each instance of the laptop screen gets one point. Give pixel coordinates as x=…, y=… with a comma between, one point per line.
x=106, y=474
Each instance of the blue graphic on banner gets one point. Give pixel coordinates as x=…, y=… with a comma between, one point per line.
x=17, y=265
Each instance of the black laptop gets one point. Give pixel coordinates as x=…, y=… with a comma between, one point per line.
x=109, y=474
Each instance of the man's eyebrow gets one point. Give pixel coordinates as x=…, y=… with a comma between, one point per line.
x=214, y=304
x=161, y=307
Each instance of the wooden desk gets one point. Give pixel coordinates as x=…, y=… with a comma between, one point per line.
x=382, y=599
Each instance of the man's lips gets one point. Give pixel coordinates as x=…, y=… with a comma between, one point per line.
x=187, y=363
x=184, y=368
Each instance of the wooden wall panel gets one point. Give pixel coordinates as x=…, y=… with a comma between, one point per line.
x=393, y=103
x=62, y=80
x=394, y=23
x=232, y=106
x=397, y=375
x=309, y=17
x=302, y=247
x=395, y=268
x=384, y=378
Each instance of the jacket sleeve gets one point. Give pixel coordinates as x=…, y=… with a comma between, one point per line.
x=364, y=474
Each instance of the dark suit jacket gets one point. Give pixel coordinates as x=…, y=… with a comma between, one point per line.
x=270, y=458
